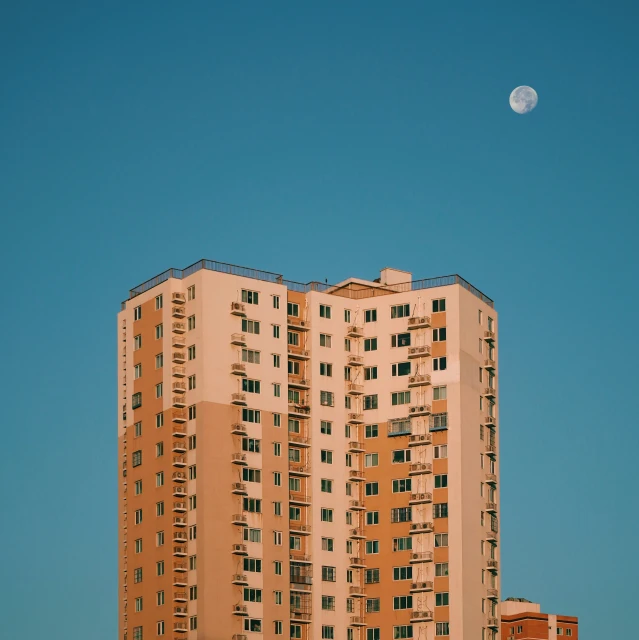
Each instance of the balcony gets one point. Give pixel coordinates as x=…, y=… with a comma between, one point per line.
x=357, y=505
x=419, y=352
x=178, y=298
x=421, y=556
x=240, y=610
x=179, y=446
x=300, y=615
x=295, y=469
x=179, y=357
x=178, y=430
x=419, y=439
x=299, y=440
x=239, y=550
x=493, y=594
x=355, y=331
x=238, y=339
x=491, y=507
x=421, y=616
x=419, y=322
x=357, y=534
x=489, y=365
x=357, y=592
x=302, y=558
x=238, y=399
x=179, y=402
x=179, y=461
x=421, y=587
x=489, y=336
x=179, y=522
x=493, y=623
x=420, y=498
x=299, y=411
x=299, y=528
x=491, y=536
x=180, y=552
x=238, y=369
x=492, y=565
x=421, y=527
x=179, y=387
x=353, y=389
x=238, y=429
x=180, y=537
x=180, y=612
x=179, y=341
x=420, y=468
x=239, y=459
x=239, y=579
x=356, y=476
x=180, y=566
x=178, y=312
x=491, y=448
x=399, y=428
x=239, y=489
x=355, y=418
x=299, y=498
x=299, y=383
x=178, y=327
x=489, y=392
x=489, y=421
x=238, y=309
x=295, y=353
x=421, y=380
x=296, y=324
x=301, y=575
x=357, y=563
x=179, y=492
x=239, y=520
x=419, y=410
x=180, y=580
x=179, y=416
x=180, y=627
x=358, y=621
x=180, y=596
x=239, y=636
x=356, y=447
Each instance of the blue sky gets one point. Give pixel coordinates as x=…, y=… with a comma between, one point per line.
x=323, y=141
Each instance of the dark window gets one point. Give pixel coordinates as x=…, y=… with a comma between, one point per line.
x=137, y=458
x=440, y=510
x=439, y=305
x=136, y=400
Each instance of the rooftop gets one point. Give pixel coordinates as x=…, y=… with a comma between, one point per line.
x=352, y=288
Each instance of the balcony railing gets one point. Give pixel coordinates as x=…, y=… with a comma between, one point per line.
x=420, y=380
x=419, y=322
x=355, y=418
x=239, y=459
x=179, y=357
x=178, y=327
x=492, y=565
x=419, y=352
x=419, y=439
x=238, y=369
x=299, y=383
x=239, y=488
x=399, y=428
x=298, y=324
x=354, y=389
x=178, y=312
x=238, y=339
x=238, y=398
x=354, y=360
x=355, y=475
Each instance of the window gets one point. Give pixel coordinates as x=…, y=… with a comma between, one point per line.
x=192, y=472
x=370, y=373
x=251, y=475
x=372, y=517
x=441, y=599
x=159, y=509
x=371, y=460
x=249, y=355
x=328, y=632
x=370, y=344
x=370, y=315
x=251, y=386
x=138, y=545
x=326, y=427
x=324, y=311
x=159, y=479
x=327, y=544
x=252, y=595
x=439, y=305
x=276, y=302
x=159, y=598
x=439, y=364
x=441, y=569
x=328, y=603
x=277, y=567
x=439, y=335
x=439, y=393
x=400, y=311
x=159, y=420
x=400, y=397
x=403, y=485
x=328, y=574
x=441, y=481
x=326, y=369
x=402, y=544
x=190, y=322
x=372, y=633
x=293, y=309
x=326, y=486
x=277, y=538
x=325, y=340
x=253, y=624
x=440, y=451
x=400, y=369
x=138, y=429
x=371, y=576
x=403, y=602
x=192, y=502
x=403, y=573
x=159, y=360
x=137, y=633
x=370, y=402
x=159, y=331
x=277, y=420
x=491, y=324
x=439, y=421
x=401, y=514
x=136, y=400
x=347, y=315
x=441, y=540
x=137, y=371
x=372, y=606
x=400, y=340
x=251, y=415
x=277, y=449
x=159, y=568
x=326, y=456
x=276, y=330
x=137, y=342
x=347, y=344
x=371, y=431
x=250, y=326
x=399, y=456
x=137, y=313
x=347, y=402
x=403, y=631
x=159, y=449
x=440, y=510
x=372, y=489
x=253, y=505
x=136, y=459
x=442, y=628
x=372, y=546
x=326, y=515
x=278, y=625
x=159, y=539
x=193, y=592
x=327, y=398
x=192, y=412
x=159, y=390
x=138, y=487
x=137, y=575
x=250, y=297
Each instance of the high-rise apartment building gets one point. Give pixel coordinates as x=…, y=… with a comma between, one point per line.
x=308, y=461
x=523, y=620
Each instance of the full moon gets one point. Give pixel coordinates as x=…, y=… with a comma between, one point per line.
x=523, y=99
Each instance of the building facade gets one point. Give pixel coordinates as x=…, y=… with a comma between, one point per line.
x=523, y=620
x=307, y=461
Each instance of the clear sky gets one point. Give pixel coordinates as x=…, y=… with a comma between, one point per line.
x=323, y=141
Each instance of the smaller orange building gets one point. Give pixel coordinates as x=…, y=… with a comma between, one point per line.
x=523, y=620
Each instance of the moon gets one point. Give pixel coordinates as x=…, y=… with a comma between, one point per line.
x=523, y=99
